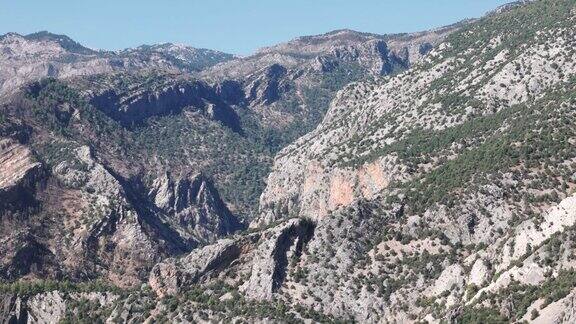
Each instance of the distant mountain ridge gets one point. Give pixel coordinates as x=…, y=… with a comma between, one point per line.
x=31, y=57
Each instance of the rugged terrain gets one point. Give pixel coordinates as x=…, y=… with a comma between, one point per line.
x=114, y=161
x=437, y=186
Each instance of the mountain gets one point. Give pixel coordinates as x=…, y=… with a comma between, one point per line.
x=63, y=41
x=423, y=177
x=180, y=56
x=289, y=86
x=109, y=168
x=268, y=102
x=444, y=192
x=31, y=57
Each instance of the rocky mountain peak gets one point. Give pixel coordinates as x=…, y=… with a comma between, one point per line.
x=24, y=59
x=320, y=44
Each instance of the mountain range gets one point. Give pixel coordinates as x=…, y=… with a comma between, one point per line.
x=344, y=177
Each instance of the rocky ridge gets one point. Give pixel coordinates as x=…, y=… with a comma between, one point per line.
x=32, y=57
x=280, y=83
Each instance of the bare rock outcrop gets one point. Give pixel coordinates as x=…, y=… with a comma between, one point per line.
x=262, y=256
x=49, y=307
x=117, y=228
x=270, y=261
x=19, y=172
x=46, y=308
x=160, y=97
x=171, y=275
x=11, y=310
x=192, y=203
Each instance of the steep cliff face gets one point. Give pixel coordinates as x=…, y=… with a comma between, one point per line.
x=19, y=174
x=54, y=306
x=193, y=203
x=257, y=263
x=156, y=95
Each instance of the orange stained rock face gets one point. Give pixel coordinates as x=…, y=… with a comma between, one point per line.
x=324, y=192
x=372, y=179
x=341, y=191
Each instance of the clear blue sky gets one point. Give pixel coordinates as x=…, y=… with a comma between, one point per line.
x=234, y=26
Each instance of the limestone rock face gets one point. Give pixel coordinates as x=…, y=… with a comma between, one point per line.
x=46, y=308
x=10, y=309
x=231, y=92
x=49, y=307
x=120, y=235
x=561, y=311
x=262, y=256
x=132, y=107
x=172, y=275
x=450, y=279
x=268, y=87
x=479, y=273
x=192, y=202
x=270, y=260
x=172, y=218
x=19, y=173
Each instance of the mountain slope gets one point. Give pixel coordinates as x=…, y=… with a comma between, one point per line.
x=269, y=104
x=289, y=86
x=371, y=125
x=90, y=209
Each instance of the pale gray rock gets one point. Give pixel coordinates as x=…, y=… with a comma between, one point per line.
x=46, y=308
x=270, y=259
x=193, y=206
x=172, y=275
